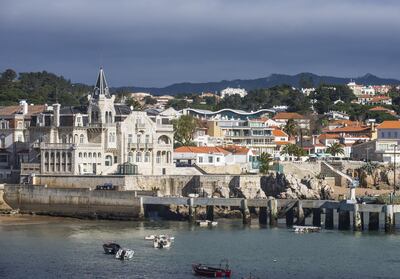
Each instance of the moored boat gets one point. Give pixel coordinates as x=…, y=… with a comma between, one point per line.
x=161, y=242
x=124, y=254
x=150, y=237
x=111, y=248
x=305, y=229
x=209, y=271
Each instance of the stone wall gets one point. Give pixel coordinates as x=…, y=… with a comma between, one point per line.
x=73, y=202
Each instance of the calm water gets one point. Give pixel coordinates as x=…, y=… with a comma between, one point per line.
x=67, y=248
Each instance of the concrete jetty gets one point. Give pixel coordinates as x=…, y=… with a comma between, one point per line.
x=128, y=205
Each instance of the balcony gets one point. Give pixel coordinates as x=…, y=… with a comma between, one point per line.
x=135, y=145
x=164, y=127
x=57, y=146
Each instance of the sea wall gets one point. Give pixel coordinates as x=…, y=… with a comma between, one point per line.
x=73, y=202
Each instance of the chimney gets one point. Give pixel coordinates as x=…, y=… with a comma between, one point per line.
x=56, y=114
x=24, y=107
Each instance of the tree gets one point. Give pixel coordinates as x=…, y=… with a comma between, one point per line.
x=291, y=128
x=148, y=100
x=265, y=162
x=335, y=149
x=133, y=103
x=9, y=75
x=293, y=150
x=184, y=128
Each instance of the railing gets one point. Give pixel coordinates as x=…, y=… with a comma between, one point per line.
x=164, y=127
x=144, y=145
x=61, y=146
x=28, y=168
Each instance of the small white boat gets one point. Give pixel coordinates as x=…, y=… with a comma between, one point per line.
x=124, y=254
x=150, y=237
x=213, y=223
x=153, y=236
x=202, y=223
x=161, y=242
x=305, y=229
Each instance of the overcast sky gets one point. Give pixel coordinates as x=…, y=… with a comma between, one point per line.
x=159, y=42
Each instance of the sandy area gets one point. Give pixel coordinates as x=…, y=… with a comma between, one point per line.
x=359, y=191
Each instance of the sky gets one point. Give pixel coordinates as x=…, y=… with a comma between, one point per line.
x=160, y=42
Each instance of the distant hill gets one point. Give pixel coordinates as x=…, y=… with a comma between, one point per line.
x=249, y=84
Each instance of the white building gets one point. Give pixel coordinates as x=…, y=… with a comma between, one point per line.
x=233, y=91
x=102, y=138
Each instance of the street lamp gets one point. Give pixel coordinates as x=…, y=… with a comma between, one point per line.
x=394, y=168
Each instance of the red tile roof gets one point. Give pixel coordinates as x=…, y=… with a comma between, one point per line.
x=279, y=133
x=350, y=129
x=10, y=110
x=288, y=115
x=390, y=124
x=235, y=149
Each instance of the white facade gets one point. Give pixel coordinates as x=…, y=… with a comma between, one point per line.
x=233, y=91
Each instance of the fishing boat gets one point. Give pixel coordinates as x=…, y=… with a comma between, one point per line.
x=161, y=242
x=202, y=223
x=209, y=271
x=111, y=248
x=124, y=254
x=306, y=229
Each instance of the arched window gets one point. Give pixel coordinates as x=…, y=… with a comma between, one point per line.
x=130, y=157
x=90, y=154
x=164, y=140
x=80, y=154
x=81, y=138
x=76, y=138
x=108, y=161
x=158, y=157
x=99, y=155
x=84, y=155
x=139, y=157
x=147, y=139
x=147, y=157
x=94, y=154
x=64, y=139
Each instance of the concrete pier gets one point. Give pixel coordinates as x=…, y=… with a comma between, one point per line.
x=316, y=221
x=373, y=224
x=329, y=221
x=300, y=214
x=344, y=220
x=389, y=219
x=290, y=218
x=273, y=212
x=262, y=215
x=192, y=210
x=210, y=212
x=357, y=219
x=246, y=217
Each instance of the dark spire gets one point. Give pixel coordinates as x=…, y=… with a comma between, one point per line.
x=101, y=87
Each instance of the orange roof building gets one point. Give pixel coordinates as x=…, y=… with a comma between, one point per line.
x=389, y=124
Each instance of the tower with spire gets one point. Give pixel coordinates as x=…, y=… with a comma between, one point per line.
x=101, y=102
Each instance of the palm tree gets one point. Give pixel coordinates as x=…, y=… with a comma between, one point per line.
x=265, y=162
x=335, y=149
x=291, y=128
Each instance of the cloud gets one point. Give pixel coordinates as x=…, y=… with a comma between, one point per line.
x=157, y=42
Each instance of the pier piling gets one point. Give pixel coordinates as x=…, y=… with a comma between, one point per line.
x=192, y=211
x=373, y=221
x=290, y=217
x=273, y=212
x=329, y=223
x=389, y=219
x=246, y=217
x=262, y=215
x=300, y=214
x=344, y=220
x=210, y=212
x=357, y=219
x=316, y=212
x=141, y=209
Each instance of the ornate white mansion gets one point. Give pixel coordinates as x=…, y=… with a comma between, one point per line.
x=101, y=138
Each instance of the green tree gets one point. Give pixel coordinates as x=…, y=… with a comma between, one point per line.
x=148, y=100
x=9, y=75
x=291, y=128
x=133, y=103
x=335, y=149
x=265, y=162
x=184, y=128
